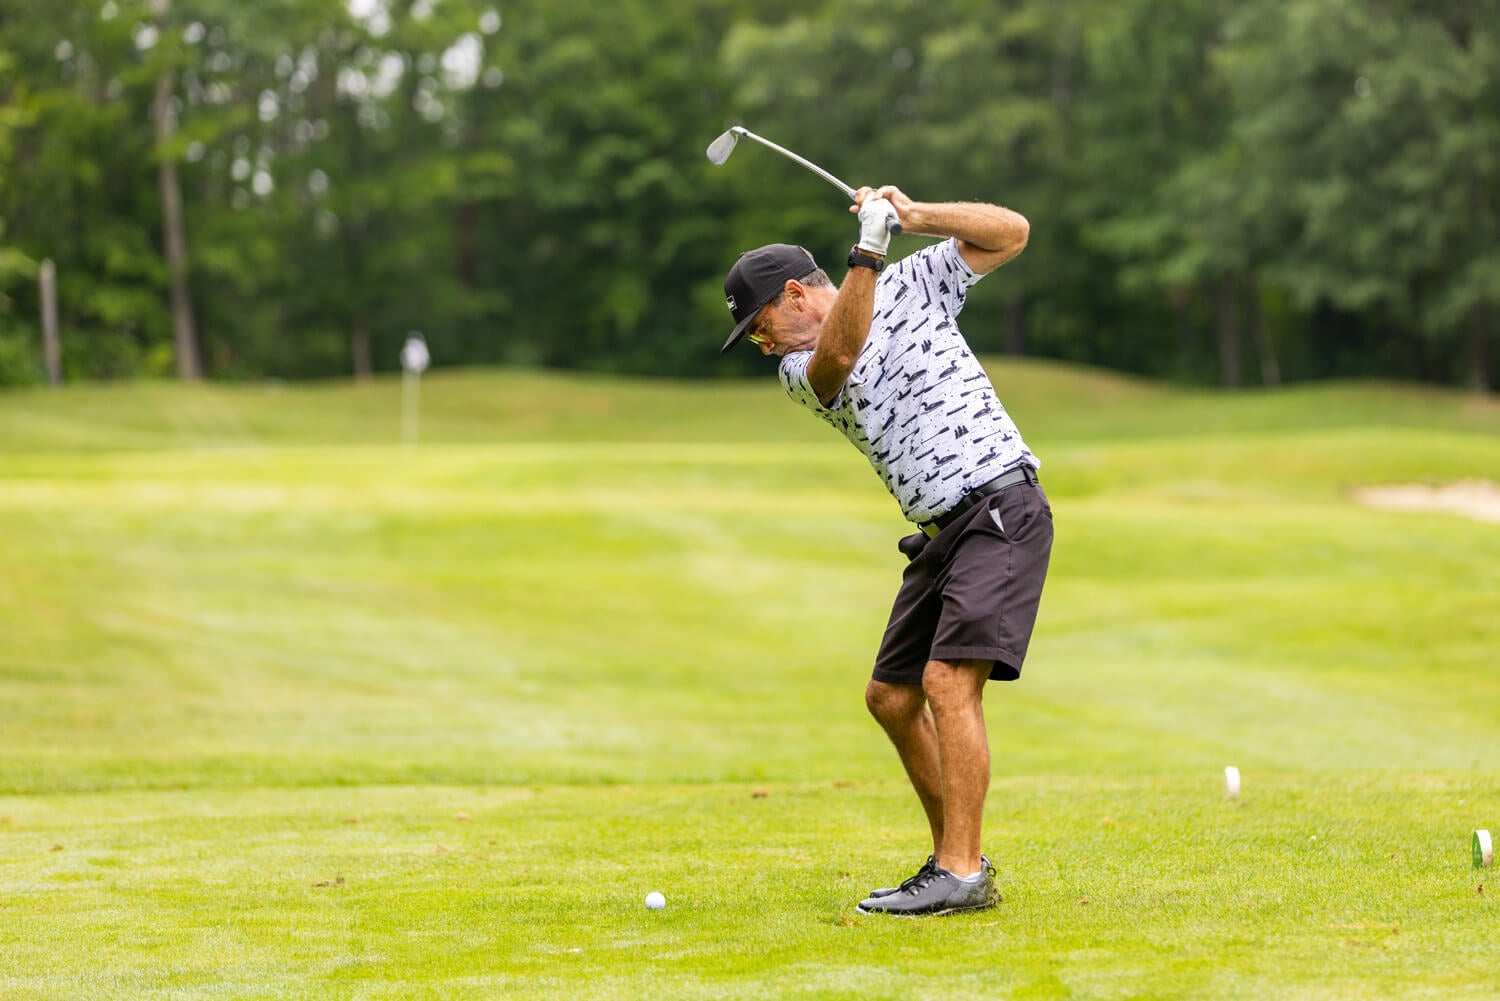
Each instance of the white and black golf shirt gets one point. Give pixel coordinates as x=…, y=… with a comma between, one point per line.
x=917, y=403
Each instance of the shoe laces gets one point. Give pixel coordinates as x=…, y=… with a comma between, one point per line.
x=916, y=882
x=922, y=880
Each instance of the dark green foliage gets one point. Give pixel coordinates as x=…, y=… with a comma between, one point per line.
x=1240, y=191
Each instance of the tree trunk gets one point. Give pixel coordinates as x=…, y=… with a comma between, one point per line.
x=1182, y=308
x=174, y=234
x=359, y=317
x=359, y=344
x=1270, y=369
x=51, y=345
x=468, y=245
x=356, y=232
x=467, y=264
x=1479, y=349
x=1481, y=315
x=1229, y=333
x=1015, y=326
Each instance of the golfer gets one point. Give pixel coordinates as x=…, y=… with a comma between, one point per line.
x=882, y=360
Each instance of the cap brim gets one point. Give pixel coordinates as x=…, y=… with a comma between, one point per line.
x=739, y=330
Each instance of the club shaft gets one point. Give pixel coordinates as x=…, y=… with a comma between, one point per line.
x=825, y=175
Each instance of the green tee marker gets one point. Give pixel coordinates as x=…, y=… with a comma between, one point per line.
x=1484, y=849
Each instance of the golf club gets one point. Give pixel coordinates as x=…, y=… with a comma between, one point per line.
x=720, y=148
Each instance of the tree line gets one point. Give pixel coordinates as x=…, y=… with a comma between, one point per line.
x=1231, y=191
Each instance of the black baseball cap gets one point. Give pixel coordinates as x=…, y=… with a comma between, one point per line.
x=759, y=276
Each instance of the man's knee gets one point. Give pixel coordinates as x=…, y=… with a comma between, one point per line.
x=954, y=683
x=892, y=704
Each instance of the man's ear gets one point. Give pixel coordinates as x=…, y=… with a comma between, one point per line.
x=793, y=292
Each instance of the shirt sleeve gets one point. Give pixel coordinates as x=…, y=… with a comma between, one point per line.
x=941, y=274
x=793, y=373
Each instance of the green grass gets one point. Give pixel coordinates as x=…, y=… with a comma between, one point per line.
x=290, y=711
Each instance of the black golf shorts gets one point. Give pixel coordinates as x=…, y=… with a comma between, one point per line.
x=972, y=592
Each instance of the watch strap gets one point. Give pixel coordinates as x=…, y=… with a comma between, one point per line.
x=859, y=259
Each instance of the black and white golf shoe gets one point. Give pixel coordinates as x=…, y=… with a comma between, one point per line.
x=930, y=864
x=936, y=891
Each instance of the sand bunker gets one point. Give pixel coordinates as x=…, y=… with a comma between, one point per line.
x=1477, y=499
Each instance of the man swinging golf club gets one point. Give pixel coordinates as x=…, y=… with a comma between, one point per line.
x=882, y=360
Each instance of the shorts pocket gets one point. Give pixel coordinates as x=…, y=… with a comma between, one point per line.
x=911, y=546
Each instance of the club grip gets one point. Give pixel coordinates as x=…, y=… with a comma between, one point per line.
x=893, y=226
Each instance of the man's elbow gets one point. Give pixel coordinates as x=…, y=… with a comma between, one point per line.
x=1007, y=239
x=1020, y=232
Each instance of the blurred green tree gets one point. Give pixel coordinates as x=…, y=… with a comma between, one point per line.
x=1376, y=132
x=1224, y=190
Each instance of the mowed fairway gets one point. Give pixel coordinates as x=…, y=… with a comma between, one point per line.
x=290, y=711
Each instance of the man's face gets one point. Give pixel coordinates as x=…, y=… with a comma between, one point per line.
x=784, y=324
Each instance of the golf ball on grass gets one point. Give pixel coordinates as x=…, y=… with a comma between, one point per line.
x=655, y=901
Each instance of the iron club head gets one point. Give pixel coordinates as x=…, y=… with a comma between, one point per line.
x=720, y=148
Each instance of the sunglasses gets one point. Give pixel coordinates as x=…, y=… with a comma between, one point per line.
x=757, y=335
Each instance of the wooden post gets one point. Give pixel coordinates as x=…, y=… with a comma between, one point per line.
x=51, y=346
x=411, y=407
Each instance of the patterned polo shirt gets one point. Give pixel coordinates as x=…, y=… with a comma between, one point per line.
x=917, y=403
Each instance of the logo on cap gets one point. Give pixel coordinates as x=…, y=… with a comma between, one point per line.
x=730, y=303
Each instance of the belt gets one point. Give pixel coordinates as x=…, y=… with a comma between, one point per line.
x=1021, y=474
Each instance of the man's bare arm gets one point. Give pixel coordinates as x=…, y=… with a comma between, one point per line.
x=845, y=330
x=847, y=325
x=988, y=235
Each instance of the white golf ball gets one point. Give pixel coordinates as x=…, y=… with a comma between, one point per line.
x=655, y=901
x=1232, y=782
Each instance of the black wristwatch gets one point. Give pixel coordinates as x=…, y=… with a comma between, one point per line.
x=860, y=259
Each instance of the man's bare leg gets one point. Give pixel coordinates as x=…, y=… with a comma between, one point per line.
x=902, y=711
x=955, y=692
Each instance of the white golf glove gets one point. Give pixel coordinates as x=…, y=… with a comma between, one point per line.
x=875, y=217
